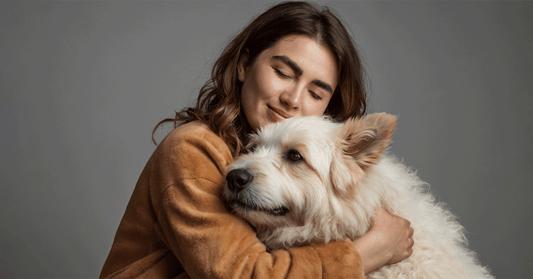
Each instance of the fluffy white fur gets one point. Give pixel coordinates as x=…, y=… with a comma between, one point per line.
x=331, y=193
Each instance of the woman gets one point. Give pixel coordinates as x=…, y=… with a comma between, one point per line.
x=293, y=60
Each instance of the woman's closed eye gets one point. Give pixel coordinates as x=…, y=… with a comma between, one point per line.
x=280, y=73
x=314, y=95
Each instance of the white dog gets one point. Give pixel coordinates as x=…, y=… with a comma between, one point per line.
x=309, y=179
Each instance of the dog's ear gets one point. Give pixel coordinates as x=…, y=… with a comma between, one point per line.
x=363, y=142
x=366, y=138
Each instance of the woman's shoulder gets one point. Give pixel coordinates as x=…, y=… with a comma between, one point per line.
x=193, y=144
x=190, y=130
x=196, y=132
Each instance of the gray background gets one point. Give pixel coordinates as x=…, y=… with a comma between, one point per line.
x=83, y=84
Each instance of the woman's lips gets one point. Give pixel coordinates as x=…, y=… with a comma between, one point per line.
x=278, y=115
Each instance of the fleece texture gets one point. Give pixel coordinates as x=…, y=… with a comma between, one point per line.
x=177, y=224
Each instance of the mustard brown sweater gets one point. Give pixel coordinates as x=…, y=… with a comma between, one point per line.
x=176, y=223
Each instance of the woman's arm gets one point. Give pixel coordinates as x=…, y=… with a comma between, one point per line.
x=190, y=220
x=176, y=221
x=388, y=241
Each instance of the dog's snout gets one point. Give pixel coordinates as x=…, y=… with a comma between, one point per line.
x=237, y=179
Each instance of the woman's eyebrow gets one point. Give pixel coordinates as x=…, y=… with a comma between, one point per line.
x=289, y=62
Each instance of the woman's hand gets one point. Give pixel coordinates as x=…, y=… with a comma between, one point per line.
x=388, y=241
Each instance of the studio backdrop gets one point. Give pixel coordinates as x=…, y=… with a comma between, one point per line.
x=83, y=83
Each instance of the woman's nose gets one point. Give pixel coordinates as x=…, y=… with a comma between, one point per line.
x=292, y=98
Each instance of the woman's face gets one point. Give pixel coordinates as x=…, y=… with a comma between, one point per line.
x=294, y=77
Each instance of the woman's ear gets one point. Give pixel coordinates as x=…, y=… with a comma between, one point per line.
x=242, y=67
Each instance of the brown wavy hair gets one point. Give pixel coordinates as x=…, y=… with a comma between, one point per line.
x=218, y=102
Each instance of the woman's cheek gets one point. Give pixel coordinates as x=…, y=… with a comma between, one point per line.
x=268, y=86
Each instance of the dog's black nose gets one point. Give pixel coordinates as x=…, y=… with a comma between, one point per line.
x=237, y=179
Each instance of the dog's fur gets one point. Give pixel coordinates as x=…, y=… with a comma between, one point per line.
x=331, y=189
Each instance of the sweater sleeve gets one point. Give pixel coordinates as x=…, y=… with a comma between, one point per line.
x=186, y=185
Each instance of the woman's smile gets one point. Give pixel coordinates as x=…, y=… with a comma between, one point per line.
x=277, y=114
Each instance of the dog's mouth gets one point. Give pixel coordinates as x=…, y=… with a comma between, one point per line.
x=245, y=207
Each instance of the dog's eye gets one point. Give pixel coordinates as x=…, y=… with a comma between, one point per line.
x=294, y=155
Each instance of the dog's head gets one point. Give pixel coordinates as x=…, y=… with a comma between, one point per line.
x=305, y=170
